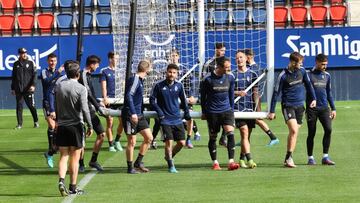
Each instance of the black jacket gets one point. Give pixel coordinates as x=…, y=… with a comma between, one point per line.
x=23, y=76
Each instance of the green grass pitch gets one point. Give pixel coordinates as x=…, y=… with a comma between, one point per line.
x=24, y=176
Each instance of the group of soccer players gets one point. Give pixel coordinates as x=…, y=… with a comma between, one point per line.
x=220, y=88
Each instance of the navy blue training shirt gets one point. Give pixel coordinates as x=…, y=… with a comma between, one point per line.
x=291, y=85
x=108, y=75
x=133, y=103
x=217, y=93
x=321, y=81
x=165, y=101
x=48, y=78
x=242, y=81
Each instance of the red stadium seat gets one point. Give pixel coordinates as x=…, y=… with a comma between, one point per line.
x=317, y=2
x=298, y=16
x=26, y=23
x=280, y=16
x=318, y=15
x=45, y=22
x=7, y=24
x=8, y=6
x=27, y=6
x=338, y=14
x=298, y=2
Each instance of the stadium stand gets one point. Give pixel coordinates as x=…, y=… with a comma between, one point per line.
x=7, y=24
x=318, y=15
x=27, y=6
x=280, y=17
x=103, y=21
x=103, y=4
x=26, y=23
x=182, y=19
x=46, y=5
x=240, y=16
x=298, y=16
x=45, y=23
x=259, y=17
x=66, y=5
x=298, y=2
x=338, y=15
x=221, y=17
x=64, y=22
x=8, y=6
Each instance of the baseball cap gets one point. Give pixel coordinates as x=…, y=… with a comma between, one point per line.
x=22, y=50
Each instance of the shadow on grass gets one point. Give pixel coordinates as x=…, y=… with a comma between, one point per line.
x=27, y=195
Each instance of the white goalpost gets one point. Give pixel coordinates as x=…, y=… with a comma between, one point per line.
x=193, y=28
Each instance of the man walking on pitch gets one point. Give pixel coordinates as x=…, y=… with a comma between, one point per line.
x=71, y=109
x=217, y=105
x=290, y=84
x=321, y=81
x=133, y=118
x=23, y=87
x=165, y=100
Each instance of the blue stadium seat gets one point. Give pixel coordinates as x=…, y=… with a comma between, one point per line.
x=103, y=21
x=220, y=1
x=88, y=21
x=259, y=16
x=221, y=17
x=64, y=22
x=66, y=4
x=103, y=3
x=239, y=1
x=182, y=18
x=46, y=5
x=240, y=16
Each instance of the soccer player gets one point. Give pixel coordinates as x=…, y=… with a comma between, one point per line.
x=133, y=118
x=189, y=88
x=107, y=80
x=92, y=63
x=165, y=100
x=23, y=87
x=321, y=82
x=217, y=106
x=48, y=78
x=71, y=109
x=260, y=122
x=244, y=77
x=209, y=67
x=290, y=84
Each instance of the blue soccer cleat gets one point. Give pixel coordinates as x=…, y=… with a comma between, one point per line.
x=49, y=160
x=197, y=136
x=172, y=170
x=273, y=142
x=311, y=162
x=327, y=161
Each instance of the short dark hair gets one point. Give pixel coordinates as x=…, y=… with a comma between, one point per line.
x=296, y=57
x=172, y=66
x=174, y=50
x=221, y=61
x=241, y=51
x=321, y=58
x=67, y=64
x=249, y=52
x=52, y=55
x=92, y=59
x=219, y=45
x=143, y=66
x=73, y=70
x=110, y=55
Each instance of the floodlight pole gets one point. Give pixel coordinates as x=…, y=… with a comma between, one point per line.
x=79, y=48
x=270, y=50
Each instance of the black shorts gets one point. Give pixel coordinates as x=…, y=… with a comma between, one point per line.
x=98, y=128
x=216, y=120
x=70, y=136
x=293, y=112
x=323, y=114
x=131, y=128
x=46, y=108
x=241, y=122
x=173, y=132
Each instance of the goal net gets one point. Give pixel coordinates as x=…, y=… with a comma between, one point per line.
x=191, y=28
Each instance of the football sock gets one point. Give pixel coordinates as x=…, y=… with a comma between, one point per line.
x=111, y=143
x=311, y=157
x=72, y=187
x=62, y=180
x=129, y=165
x=139, y=158
x=248, y=156
x=94, y=157
x=188, y=137
x=117, y=138
x=212, y=147
x=81, y=162
x=325, y=155
x=288, y=155
x=242, y=156
x=271, y=134
x=230, y=145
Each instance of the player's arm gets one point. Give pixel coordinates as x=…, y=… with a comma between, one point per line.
x=13, y=75
x=154, y=101
x=231, y=91
x=133, y=85
x=309, y=88
x=255, y=91
x=330, y=98
x=184, y=103
x=85, y=108
x=203, y=94
x=278, y=87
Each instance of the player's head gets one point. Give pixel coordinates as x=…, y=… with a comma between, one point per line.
x=223, y=65
x=220, y=49
x=67, y=65
x=241, y=59
x=73, y=71
x=249, y=54
x=172, y=71
x=296, y=60
x=22, y=53
x=52, y=61
x=174, y=56
x=321, y=61
x=92, y=62
x=144, y=67
x=113, y=58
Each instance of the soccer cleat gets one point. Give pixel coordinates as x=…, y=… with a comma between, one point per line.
x=273, y=142
x=96, y=166
x=81, y=168
x=289, y=163
x=18, y=127
x=197, y=136
x=36, y=125
x=233, y=166
x=172, y=170
x=140, y=167
x=49, y=160
x=77, y=191
x=153, y=145
x=62, y=189
x=118, y=147
x=216, y=167
x=327, y=161
x=189, y=144
x=223, y=141
x=112, y=149
x=311, y=162
x=242, y=164
x=251, y=164
x=132, y=171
